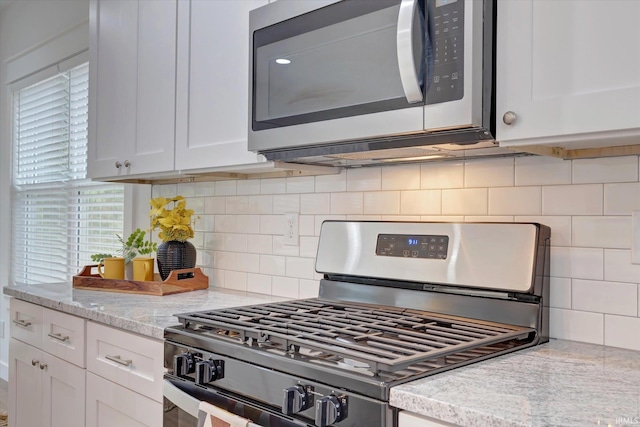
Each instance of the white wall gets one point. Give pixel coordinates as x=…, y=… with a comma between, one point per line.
x=587, y=204
x=34, y=34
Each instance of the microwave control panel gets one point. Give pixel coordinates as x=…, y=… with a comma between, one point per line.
x=446, y=29
x=413, y=246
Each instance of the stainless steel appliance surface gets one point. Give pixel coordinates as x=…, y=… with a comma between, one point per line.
x=364, y=82
x=398, y=301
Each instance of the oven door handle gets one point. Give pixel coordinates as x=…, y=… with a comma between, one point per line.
x=181, y=399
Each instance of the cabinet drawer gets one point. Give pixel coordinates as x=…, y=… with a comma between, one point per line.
x=26, y=322
x=64, y=336
x=130, y=360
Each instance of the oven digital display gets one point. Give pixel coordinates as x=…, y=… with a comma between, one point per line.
x=412, y=246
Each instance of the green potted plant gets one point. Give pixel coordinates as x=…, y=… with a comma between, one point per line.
x=135, y=245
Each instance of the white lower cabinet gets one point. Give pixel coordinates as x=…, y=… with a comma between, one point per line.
x=408, y=419
x=50, y=387
x=44, y=390
x=109, y=405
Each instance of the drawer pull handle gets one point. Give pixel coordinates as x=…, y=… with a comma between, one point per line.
x=23, y=323
x=34, y=362
x=118, y=359
x=59, y=337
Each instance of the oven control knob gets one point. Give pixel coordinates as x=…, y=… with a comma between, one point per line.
x=209, y=370
x=296, y=399
x=330, y=409
x=183, y=364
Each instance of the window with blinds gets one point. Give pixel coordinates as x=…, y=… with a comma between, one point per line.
x=59, y=216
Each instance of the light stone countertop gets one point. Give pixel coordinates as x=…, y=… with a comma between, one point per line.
x=144, y=314
x=561, y=383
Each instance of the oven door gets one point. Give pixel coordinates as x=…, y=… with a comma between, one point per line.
x=182, y=400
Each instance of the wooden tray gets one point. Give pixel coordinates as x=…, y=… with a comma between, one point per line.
x=188, y=279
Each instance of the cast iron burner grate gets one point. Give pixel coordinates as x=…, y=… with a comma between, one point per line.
x=385, y=338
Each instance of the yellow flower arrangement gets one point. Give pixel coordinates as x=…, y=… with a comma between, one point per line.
x=175, y=224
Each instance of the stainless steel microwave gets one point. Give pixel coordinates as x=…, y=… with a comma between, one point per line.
x=333, y=79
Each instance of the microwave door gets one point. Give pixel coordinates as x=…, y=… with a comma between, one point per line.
x=348, y=70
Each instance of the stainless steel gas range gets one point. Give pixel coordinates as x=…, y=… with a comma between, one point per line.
x=398, y=301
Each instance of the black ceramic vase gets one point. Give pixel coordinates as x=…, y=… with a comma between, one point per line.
x=175, y=255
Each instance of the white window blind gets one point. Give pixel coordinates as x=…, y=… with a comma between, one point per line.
x=59, y=216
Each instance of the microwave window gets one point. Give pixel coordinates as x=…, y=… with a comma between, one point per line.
x=333, y=65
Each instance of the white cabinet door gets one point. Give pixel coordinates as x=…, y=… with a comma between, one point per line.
x=212, y=81
x=25, y=385
x=110, y=405
x=63, y=393
x=131, y=87
x=567, y=68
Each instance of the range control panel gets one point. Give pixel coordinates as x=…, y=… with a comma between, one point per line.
x=447, y=51
x=412, y=246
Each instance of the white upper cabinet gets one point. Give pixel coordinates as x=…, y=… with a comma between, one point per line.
x=569, y=71
x=132, y=87
x=213, y=82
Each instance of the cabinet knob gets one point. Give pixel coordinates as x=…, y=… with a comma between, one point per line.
x=127, y=163
x=43, y=366
x=509, y=118
x=34, y=362
x=118, y=165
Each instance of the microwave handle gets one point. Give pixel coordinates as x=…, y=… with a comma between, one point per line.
x=404, y=42
x=182, y=400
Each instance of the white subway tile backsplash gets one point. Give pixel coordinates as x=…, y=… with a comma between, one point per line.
x=621, y=331
x=576, y=325
x=578, y=263
x=488, y=218
x=605, y=169
x=621, y=199
x=301, y=184
x=273, y=265
x=442, y=175
x=215, y=205
x=308, y=246
x=382, y=202
x=421, y=202
x=585, y=199
x=309, y=288
x=618, y=267
x=406, y=177
x=259, y=283
x=540, y=170
x=364, y=179
x=248, y=187
x=594, y=293
x=287, y=287
x=605, y=297
x=237, y=205
x=279, y=248
x=346, y=203
x=225, y=188
x=259, y=243
x=560, y=227
x=560, y=292
x=248, y=224
x=235, y=242
x=272, y=224
x=331, y=183
x=602, y=232
x=235, y=280
x=489, y=173
x=289, y=203
x=302, y=268
x=315, y=203
x=515, y=201
x=225, y=223
x=472, y=201
x=260, y=205
x=273, y=186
